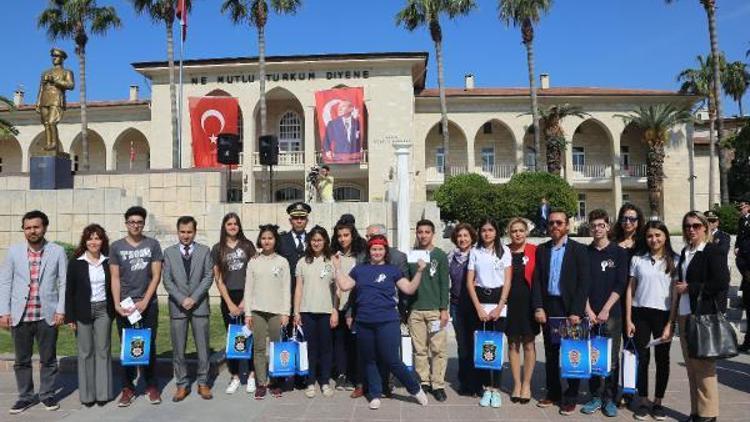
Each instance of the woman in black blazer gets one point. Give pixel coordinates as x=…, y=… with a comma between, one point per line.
x=89, y=310
x=704, y=274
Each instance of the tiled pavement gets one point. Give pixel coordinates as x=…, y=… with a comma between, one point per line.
x=734, y=389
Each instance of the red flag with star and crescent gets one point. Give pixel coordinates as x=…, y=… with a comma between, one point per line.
x=209, y=118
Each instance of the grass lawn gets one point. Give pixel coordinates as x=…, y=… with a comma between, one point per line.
x=66, y=340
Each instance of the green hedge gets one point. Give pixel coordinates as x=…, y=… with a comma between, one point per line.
x=728, y=216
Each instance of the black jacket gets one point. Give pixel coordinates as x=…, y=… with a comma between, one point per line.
x=288, y=250
x=707, y=273
x=78, y=292
x=723, y=241
x=575, y=277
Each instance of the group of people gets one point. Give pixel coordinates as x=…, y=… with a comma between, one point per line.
x=354, y=298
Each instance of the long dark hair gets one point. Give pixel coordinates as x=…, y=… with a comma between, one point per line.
x=309, y=254
x=498, y=236
x=619, y=232
x=242, y=242
x=358, y=242
x=88, y=231
x=668, y=251
x=274, y=230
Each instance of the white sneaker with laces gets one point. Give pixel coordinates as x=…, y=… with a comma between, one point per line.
x=374, y=404
x=327, y=390
x=310, y=391
x=250, y=388
x=421, y=397
x=234, y=384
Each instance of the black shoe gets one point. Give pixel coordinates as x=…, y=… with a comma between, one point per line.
x=702, y=419
x=89, y=404
x=658, y=413
x=20, y=406
x=439, y=394
x=50, y=404
x=101, y=403
x=691, y=418
x=514, y=399
x=744, y=348
x=427, y=388
x=341, y=382
x=641, y=414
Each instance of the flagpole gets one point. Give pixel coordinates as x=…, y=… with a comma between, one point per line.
x=179, y=104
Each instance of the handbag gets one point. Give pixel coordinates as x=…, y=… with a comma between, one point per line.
x=239, y=342
x=488, y=349
x=303, y=363
x=710, y=336
x=135, y=349
x=282, y=360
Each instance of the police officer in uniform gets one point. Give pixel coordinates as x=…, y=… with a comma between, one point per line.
x=742, y=254
x=722, y=240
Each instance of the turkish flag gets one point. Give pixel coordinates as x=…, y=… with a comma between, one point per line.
x=341, y=124
x=181, y=13
x=209, y=118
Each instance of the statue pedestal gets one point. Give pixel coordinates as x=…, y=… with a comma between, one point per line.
x=51, y=173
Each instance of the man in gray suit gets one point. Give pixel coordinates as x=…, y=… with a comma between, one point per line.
x=32, y=305
x=188, y=274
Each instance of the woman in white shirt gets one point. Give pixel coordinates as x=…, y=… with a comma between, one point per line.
x=89, y=310
x=489, y=268
x=648, y=300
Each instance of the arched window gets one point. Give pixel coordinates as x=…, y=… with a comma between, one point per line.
x=529, y=158
x=347, y=194
x=289, y=194
x=290, y=132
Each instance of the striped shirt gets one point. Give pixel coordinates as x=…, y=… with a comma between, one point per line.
x=34, y=304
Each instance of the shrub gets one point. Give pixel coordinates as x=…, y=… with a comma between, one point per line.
x=466, y=198
x=728, y=216
x=69, y=249
x=522, y=195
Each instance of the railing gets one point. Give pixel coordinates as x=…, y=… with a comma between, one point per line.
x=498, y=171
x=634, y=170
x=286, y=159
x=437, y=174
x=591, y=171
x=362, y=158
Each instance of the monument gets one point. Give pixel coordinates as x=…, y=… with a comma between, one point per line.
x=52, y=168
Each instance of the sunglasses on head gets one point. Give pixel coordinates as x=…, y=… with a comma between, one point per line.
x=694, y=226
x=556, y=223
x=628, y=219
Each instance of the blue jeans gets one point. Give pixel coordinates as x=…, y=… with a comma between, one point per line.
x=464, y=340
x=379, y=343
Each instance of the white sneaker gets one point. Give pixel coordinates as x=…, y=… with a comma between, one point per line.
x=421, y=397
x=310, y=391
x=374, y=404
x=233, y=386
x=250, y=388
x=327, y=390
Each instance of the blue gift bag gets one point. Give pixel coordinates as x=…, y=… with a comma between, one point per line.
x=302, y=364
x=239, y=342
x=601, y=355
x=136, y=346
x=575, y=358
x=282, y=358
x=488, y=349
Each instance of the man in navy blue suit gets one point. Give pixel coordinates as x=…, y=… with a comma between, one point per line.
x=342, y=134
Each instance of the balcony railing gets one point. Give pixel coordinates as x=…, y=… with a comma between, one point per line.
x=362, y=159
x=634, y=170
x=591, y=171
x=498, y=171
x=437, y=174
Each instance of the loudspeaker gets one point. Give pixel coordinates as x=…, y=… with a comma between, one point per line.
x=269, y=150
x=228, y=149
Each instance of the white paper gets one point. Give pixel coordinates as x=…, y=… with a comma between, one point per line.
x=406, y=352
x=489, y=307
x=416, y=254
x=435, y=326
x=247, y=332
x=128, y=303
x=304, y=363
x=656, y=342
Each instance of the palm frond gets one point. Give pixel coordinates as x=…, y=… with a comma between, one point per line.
x=412, y=16
x=286, y=7
x=515, y=12
x=237, y=10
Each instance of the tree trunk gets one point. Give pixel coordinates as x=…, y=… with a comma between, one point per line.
x=655, y=179
x=534, y=105
x=739, y=104
x=262, y=77
x=711, y=153
x=437, y=37
x=173, y=96
x=710, y=7
x=554, y=158
x=84, y=164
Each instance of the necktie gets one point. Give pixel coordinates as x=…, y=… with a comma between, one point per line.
x=300, y=244
x=186, y=252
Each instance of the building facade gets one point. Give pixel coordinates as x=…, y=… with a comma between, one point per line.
x=605, y=160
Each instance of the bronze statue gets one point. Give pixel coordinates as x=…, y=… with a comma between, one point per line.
x=50, y=103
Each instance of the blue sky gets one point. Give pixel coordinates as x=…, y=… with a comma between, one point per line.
x=608, y=43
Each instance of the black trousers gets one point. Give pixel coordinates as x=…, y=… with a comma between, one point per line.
x=233, y=365
x=345, y=351
x=553, y=307
x=650, y=323
x=150, y=319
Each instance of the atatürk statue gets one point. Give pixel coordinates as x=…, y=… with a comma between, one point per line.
x=50, y=103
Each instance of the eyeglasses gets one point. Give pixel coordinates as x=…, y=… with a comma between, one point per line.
x=599, y=226
x=556, y=223
x=694, y=226
x=628, y=220
x=135, y=223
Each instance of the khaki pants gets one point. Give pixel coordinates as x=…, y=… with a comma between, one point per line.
x=704, y=388
x=266, y=327
x=426, y=345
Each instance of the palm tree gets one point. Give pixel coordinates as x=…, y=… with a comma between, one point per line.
x=163, y=11
x=735, y=81
x=75, y=19
x=710, y=7
x=656, y=121
x=427, y=13
x=554, y=135
x=6, y=126
x=524, y=14
x=699, y=82
x=255, y=13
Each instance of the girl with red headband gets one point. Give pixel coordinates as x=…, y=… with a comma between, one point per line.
x=377, y=319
